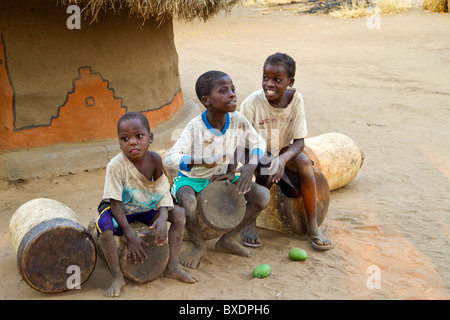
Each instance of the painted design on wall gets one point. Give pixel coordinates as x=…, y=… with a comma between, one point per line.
x=90, y=112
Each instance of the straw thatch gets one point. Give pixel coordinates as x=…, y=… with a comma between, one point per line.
x=185, y=10
x=436, y=5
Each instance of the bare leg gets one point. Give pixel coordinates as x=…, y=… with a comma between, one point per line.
x=302, y=165
x=257, y=199
x=177, y=221
x=249, y=233
x=187, y=199
x=109, y=249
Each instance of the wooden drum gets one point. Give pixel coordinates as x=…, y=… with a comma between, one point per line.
x=51, y=245
x=220, y=209
x=288, y=214
x=151, y=268
x=337, y=160
x=337, y=156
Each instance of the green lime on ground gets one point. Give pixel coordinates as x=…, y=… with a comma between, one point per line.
x=261, y=271
x=298, y=254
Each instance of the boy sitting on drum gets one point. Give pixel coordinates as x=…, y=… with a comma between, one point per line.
x=136, y=189
x=204, y=153
x=278, y=113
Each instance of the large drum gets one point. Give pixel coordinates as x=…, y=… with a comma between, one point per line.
x=220, y=209
x=288, y=214
x=337, y=156
x=337, y=160
x=54, y=251
x=151, y=268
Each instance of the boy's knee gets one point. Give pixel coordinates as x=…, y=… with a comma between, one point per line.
x=178, y=215
x=303, y=163
x=188, y=202
x=105, y=237
x=265, y=197
x=261, y=197
x=302, y=159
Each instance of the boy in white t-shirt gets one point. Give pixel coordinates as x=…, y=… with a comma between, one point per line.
x=204, y=153
x=136, y=189
x=277, y=112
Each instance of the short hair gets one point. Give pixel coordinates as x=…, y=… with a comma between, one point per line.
x=206, y=82
x=134, y=115
x=284, y=60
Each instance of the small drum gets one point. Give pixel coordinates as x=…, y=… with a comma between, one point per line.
x=51, y=246
x=220, y=209
x=288, y=214
x=151, y=268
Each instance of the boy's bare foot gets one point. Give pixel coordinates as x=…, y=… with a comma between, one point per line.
x=116, y=286
x=179, y=274
x=192, y=259
x=232, y=246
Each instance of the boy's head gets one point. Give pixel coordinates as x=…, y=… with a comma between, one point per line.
x=282, y=59
x=134, y=135
x=134, y=115
x=215, y=89
x=278, y=75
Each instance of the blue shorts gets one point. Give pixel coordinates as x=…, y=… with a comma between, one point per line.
x=105, y=220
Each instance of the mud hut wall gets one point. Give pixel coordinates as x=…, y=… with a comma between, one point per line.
x=70, y=85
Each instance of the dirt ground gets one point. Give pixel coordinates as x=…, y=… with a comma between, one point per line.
x=388, y=89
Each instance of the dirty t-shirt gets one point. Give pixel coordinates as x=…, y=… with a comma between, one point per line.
x=124, y=182
x=199, y=138
x=279, y=126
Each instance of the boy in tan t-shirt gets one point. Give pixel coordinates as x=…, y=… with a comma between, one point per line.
x=278, y=114
x=136, y=189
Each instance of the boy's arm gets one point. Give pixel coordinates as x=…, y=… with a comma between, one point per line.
x=163, y=205
x=279, y=163
x=294, y=149
x=179, y=154
x=134, y=243
x=232, y=165
x=182, y=157
x=160, y=224
x=257, y=146
x=206, y=161
x=243, y=184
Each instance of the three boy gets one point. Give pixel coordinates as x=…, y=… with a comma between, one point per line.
x=137, y=189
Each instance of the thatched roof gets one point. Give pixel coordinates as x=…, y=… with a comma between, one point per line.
x=185, y=10
x=436, y=5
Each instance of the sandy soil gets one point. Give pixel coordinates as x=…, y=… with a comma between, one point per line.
x=386, y=88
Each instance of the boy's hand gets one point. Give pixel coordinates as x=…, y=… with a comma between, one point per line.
x=160, y=224
x=136, y=249
x=227, y=176
x=244, y=183
x=276, y=168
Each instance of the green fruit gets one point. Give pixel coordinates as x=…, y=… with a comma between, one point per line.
x=261, y=271
x=298, y=254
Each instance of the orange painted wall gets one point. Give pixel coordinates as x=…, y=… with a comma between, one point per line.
x=90, y=112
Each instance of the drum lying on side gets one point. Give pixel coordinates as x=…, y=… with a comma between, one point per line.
x=51, y=245
x=337, y=156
